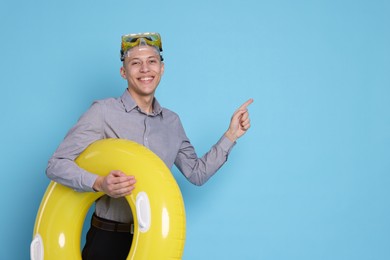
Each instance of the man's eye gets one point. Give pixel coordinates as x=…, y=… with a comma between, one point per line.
x=134, y=63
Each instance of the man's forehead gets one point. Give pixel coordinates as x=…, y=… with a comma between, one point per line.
x=142, y=52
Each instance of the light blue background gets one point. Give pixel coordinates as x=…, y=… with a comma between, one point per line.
x=310, y=180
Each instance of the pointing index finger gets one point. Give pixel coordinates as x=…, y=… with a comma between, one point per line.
x=246, y=104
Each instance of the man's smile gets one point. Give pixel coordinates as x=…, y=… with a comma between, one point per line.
x=146, y=79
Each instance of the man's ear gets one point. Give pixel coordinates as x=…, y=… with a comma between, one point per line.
x=162, y=68
x=123, y=72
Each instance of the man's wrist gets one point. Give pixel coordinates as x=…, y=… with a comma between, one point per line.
x=97, y=185
x=230, y=136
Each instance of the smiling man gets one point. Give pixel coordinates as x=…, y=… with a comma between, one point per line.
x=136, y=116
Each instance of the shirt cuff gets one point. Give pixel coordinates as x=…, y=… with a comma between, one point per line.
x=226, y=144
x=88, y=181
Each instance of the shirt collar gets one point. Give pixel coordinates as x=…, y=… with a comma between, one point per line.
x=129, y=104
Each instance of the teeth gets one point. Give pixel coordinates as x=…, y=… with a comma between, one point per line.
x=146, y=78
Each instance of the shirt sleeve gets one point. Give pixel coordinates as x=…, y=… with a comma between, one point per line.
x=61, y=166
x=199, y=170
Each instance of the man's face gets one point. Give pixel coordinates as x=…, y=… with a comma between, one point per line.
x=142, y=68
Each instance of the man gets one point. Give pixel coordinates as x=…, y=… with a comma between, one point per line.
x=136, y=116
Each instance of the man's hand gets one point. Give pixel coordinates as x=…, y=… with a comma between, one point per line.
x=240, y=122
x=116, y=184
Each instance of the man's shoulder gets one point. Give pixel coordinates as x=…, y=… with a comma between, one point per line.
x=169, y=113
x=106, y=101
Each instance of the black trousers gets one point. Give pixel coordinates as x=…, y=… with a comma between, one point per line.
x=106, y=245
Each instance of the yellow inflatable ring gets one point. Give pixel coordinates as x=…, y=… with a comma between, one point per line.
x=156, y=203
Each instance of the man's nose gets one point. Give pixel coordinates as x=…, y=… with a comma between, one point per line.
x=144, y=67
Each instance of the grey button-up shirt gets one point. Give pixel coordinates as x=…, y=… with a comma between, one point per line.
x=161, y=132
